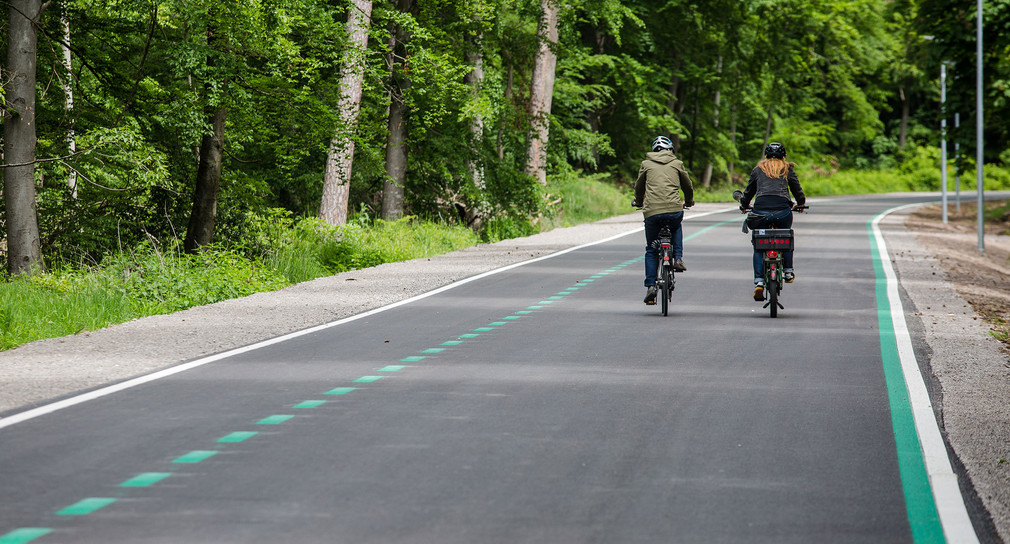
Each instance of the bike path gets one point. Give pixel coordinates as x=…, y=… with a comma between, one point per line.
x=541, y=404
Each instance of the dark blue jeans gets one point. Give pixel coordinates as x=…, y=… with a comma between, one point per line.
x=781, y=219
x=653, y=225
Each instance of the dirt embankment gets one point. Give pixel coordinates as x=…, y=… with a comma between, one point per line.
x=981, y=278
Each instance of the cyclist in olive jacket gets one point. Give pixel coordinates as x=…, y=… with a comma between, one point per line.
x=660, y=181
x=771, y=181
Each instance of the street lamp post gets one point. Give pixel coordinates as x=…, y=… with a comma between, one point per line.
x=979, y=141
x=943, y=140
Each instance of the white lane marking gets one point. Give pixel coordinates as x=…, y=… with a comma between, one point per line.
x=957, y=527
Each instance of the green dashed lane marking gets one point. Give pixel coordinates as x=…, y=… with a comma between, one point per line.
x=512, y=317
x=413, y=359
x=24, y=534
x=497, y=323
x=523, y=312
x=469, y=335
x=274, y=420
x=555, y=298
x=546, y=302
x=309, y=404
x=340, y=391
x=195, y=456
x=392, y=368
x=86, y=506
x=535, y=307
x=368, y=379
x=452, y=343
x=433, y=350
x=145, y=479
x=235, y=438
x=483, y=329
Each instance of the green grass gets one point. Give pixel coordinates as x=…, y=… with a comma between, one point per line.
x=148, y=281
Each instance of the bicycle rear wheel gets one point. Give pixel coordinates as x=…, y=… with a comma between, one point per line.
x=773, y=297
x=667, y=285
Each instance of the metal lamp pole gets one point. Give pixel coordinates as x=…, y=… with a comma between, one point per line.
x=979, y=141
x=943, y=140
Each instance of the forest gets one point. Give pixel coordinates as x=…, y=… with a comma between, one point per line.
x=197, y=124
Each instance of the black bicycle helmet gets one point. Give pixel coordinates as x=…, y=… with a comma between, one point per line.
x=662, y=142
x=775, y=150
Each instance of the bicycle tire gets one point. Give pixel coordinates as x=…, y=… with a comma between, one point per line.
x=665, y=292
x=773, y=297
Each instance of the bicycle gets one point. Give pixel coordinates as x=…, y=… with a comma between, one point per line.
x=665, y=275
x=771, y=243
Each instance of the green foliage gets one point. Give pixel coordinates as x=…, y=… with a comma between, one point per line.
x=582, y=199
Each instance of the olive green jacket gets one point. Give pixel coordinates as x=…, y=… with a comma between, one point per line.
x=660, y=181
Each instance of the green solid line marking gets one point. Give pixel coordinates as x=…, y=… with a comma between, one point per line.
x=274, y=420
x=392, y=368
x=235, y=438
x=922, y=514
x=413, y=359
x=86, y=506
x=483, y=329
x=497, y=323
x=195, y=456
x=452, y=343
x=368, y=379
x=469, y=335
x=24, y=534
x=310, y=404
x=433, y=350
x=145, y=479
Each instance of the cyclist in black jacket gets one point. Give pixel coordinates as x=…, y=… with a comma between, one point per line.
x=771, y=181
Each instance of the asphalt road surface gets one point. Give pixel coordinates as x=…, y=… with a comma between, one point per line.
x=542, y=403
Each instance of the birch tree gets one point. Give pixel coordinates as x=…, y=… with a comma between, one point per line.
x=542, y=90
x=24, y=253
x=339, y=160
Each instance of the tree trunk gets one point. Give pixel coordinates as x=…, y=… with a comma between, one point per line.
x=706, y=180
x=543, y=90
x=337, y=174
x=509, y=79
x=208, y=181
x=68, y=100
x=476, y=211
x=904, y=119
x=396, y=140
x=732, y=141
x=768, y=129
x=23, y=244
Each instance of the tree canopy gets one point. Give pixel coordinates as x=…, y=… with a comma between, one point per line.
x=853, y=83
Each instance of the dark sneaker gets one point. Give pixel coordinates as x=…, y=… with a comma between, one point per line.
x=759, y=293
x=789, y=277
x=678, y=266
x=650, y=295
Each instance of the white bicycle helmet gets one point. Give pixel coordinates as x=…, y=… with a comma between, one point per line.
x=662, y=142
